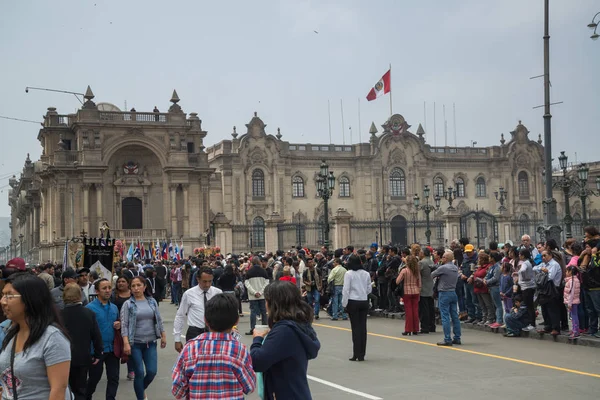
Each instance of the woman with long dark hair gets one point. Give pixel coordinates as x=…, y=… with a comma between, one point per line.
x=357, y=286
x=282, y=356
x=36, y=354
x=120, y=295
x=141, y=326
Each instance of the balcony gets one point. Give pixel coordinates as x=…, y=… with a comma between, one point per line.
x=143, y=117
x=142, y=234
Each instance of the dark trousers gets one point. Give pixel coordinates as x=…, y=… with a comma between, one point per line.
x=112, y=375
x=551, y=313
x=383, y=297
x=528, y=299
x=357, y=311
x=192, y=332
x=427, y=314
x=78, y=379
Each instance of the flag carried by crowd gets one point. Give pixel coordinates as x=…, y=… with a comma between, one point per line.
x=159, y=250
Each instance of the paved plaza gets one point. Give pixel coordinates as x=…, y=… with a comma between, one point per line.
x=486, y=366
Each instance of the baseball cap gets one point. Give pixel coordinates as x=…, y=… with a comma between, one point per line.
x=16, y=263
x=469, y=248
x=375, y=245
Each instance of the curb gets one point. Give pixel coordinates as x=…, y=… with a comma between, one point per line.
x=583, y=340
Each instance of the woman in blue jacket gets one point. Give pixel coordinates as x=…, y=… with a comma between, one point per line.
x=283, y=355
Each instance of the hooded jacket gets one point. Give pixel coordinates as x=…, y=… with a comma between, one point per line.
x=283, y=359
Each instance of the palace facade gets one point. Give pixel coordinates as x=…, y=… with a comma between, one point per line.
x=149, y=176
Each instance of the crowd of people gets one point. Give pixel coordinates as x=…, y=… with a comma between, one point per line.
x=63, y=327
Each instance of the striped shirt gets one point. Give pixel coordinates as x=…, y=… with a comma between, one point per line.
x=213, y=366
x=412, y=284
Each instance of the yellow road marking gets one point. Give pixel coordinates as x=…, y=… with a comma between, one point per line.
x=516, y=360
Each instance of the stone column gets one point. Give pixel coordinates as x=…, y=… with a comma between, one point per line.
x=342, y=229
x=452, y=225
x=173, y=189
x=186, y=213
x=86, y=206
x=99, y=213
x=223, y=235
x=271, y=234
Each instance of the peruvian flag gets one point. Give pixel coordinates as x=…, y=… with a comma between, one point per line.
x=382, y=87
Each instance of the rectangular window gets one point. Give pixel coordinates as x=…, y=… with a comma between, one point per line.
x=440, y=232
x=315, y=148
x=338, y=148
x=293, y=147
x=302, y=148
x=191, y=147
x=324, y=148
x=97, y=139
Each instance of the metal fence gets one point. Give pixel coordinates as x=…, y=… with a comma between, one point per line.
x=248, y=238
x=402, y=233
x=303, y=234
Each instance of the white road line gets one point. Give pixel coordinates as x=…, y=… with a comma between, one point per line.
x=343, y=388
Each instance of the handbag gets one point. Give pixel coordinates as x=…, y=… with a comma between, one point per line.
x=399, y=291
x=118, y=347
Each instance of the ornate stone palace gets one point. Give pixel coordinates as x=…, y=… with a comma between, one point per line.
x=149, y=176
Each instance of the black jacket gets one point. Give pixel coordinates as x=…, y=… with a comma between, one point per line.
x=83, y=329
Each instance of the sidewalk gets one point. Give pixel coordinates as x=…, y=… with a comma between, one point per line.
x=583, y=340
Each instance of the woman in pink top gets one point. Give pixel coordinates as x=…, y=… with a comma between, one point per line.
x=571, y=297
x=411, y=275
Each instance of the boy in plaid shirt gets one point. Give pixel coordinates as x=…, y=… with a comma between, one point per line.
x=215, y=365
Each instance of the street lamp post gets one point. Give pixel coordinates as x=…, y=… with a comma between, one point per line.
x=450, y=195
x=427, y=208
x=501, y=196
x=325, y=186
x=594, y=25
x=583, y=173
x=414, y=221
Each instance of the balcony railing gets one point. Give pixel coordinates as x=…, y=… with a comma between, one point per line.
x=142, y=234
x=133, y=117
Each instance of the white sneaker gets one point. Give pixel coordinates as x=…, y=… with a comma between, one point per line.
x=528, y=328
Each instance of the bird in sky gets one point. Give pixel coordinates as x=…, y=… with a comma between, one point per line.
x=316, y=32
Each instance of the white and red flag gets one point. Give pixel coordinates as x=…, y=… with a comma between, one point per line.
x=382, y=87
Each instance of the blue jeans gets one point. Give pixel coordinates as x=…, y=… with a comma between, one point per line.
x=592, y=303
x=473, y=308
x=447, y=303
x=314, y=299
x=176, y=292
x=336, y=303
x=495, y=292
x=258, y=307
x=143, y=354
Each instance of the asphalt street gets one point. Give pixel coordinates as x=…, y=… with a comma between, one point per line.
x=485, y=366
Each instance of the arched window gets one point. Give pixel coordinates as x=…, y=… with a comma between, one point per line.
x=258, y=233
x=297, y=186
x=480, y=187
x=258, y=183
x=523, y=180
x=524, y=225
x=344, y=186
x=397, y=183
x=460, y=187
x=438, y=187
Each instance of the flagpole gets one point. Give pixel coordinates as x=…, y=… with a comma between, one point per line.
x=343, y=128
x=391, y=113
x=359, y=126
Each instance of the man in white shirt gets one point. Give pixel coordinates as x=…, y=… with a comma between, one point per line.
x=192, y=306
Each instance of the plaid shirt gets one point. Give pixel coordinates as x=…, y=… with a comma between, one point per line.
x=213, y=366
x=412, y=284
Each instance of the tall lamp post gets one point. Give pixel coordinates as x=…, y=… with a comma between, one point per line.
x=583, y=173
x=501, y=196
x=427, y=208
x=325, y=186
x=450, y=195
x=566, y=184
x=594, y=25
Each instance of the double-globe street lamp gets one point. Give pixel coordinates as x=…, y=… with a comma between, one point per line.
x=583, y=174
x=325, y=186
x=594, y=25
x=574, y=186
x=427, y=208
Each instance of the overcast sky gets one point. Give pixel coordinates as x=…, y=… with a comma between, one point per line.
x=228, y=59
